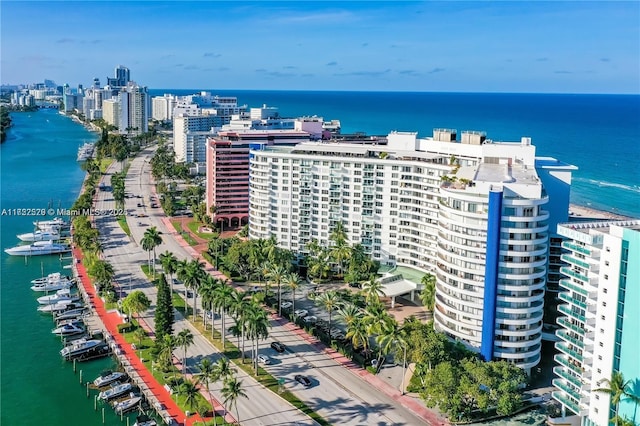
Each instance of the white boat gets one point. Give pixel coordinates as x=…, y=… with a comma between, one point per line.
x=56, y=307
x=127, y=404
x=115, y=391
x=74, y=313
x=79, y=347
x=109, y=377
x=38, y=248
x=54, y=276
x=144, y=420
x=47, y=225
x=61, y=296
x=40, y=236
x=85, y=151
x=68, y=330
x=52, y=286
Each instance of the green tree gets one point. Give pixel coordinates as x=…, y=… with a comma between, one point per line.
x=164, y=310
x=190, y=391
x=329, y=300
x=617, y=389
x=136, y=302
x=153, y=239
x=169, y=263
x=184, y=339
x=277, y=275
x=164, y=350
x=428, y=293
x=231, y=392
x=208, y=374
x=373, y=289
x=221, y=299
x=293, y=281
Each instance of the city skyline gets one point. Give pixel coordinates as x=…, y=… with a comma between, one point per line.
x=567, y=47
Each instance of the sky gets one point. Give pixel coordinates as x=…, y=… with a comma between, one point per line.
x=446, y=46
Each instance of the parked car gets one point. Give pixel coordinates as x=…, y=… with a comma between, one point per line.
x=301, y=313
x=286, y=305
x=311, y=319
x=355, y=285
x=277, y=346
x=264, y=359
x=303, y=380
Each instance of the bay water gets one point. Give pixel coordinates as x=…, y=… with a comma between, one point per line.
x=598, y=133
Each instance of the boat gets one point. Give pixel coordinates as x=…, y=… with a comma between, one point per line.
x=38, y=248
x=78, y=322
x=128, y=404
x=115, y=391
x=55, y=223
x=56, y=307
x=144, y=420
x=60, y=296
x=52, y=277
x=86, y=151
x=39, y=235
x=68, y=330
x=79, y=347
x=109, y=377
x=72, y=313
x=53, y=286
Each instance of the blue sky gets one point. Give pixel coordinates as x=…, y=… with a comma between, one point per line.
x=540, y=47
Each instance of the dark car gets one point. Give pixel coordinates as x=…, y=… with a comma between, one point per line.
x=303, y=380
x=277, y=346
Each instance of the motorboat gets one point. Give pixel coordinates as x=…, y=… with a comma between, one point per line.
x=115, y=391
x=78, y=322
x=38, y=248
x=60, y=296
x=109, y=377
x=56, y=307
x=86, y=151
x=79, y=347
x=72, y=313
x=128, y=404
x=53, y=286
x=144, y=420
x=68, y=330
x=52, y=277
x=55, y=223
x=39, y=235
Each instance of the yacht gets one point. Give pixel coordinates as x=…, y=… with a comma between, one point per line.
x=61, y=306
x=115, y=391
x=38, y=248
x=47, y=225
x=61, y=296
x=127, y=404
x=39, y=235
x=144, y=420
x=54, y=276
x=52, y=286
x=80, y=347
x=68, y=330
x=85, y=151
x=72, y=313
x=109, y=377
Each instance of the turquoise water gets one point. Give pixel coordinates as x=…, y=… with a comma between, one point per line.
x=39, y=168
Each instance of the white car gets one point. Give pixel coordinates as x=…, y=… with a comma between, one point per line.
x=264, y=359
x=286, y=305
x=301, y=313
x=311, y=319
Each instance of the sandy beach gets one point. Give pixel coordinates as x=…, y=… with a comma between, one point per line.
x=582, y=212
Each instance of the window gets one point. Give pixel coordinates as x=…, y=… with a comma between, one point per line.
x=606, y=277
x=602, y=317
x=601, y=344
x=604, y=290
x=604, y=304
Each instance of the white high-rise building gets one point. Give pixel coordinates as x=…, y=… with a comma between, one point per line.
x=599, y=319
x=189, y=137
x=162, y=107
x=134, y=109
x=473, y=212
x=111, y=111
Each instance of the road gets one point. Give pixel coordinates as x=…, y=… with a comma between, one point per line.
x=338, y=395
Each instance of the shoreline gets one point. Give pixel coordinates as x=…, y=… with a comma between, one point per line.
x=588, y=213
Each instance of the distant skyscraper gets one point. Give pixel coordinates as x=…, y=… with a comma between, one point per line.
x=122, y=77
x=134, y=109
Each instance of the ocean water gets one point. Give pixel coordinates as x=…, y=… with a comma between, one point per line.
x=39, y=170
x=600, y=134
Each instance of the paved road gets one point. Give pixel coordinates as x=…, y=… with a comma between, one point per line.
x=336, y=394
x=262, y=406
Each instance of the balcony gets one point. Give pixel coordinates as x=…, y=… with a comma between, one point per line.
x=570, y=273
x=574, y=261
x=564, y=296
x=564, y=361
x=566, y=401
x=574, y=380
x=565, y=309
x=563, y=321
x=569, y=390
x=574, y=247
x=564, y=347
x=574, y=287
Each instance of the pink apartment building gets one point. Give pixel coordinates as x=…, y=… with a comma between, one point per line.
x=227, y=184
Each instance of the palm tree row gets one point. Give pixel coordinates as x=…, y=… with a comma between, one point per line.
x=150, y=240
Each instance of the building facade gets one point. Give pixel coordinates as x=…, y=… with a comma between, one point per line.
x=599, y=318
x=134, y=109
x=189, y=141
x=474, y=213
x=162, y=107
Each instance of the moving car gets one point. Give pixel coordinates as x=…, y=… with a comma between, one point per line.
x=301, y=313
x=264, y=359
x=311, y=319
x=303, y=380
x=277, y=346
x=286, y=305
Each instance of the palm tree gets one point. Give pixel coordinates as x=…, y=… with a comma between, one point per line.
x=238, y=307
x=207, y=375
x=184, y=339
x=190, y=392
x=102, y=271
x=373, y=289
x=147, y=244
x=207, y=287
x=169, y=263
x=232, y=391
x=617, y=389
x=276, y=275
x=358, y=333
x=222, y=296
x=329, y=300
x=376, y=317
x=256, y=323
x=154, y=239
x=224, y=368
x=165, y=350
x=349, y=313
x=136, y=302
x=391, y=337
x=293, y=281
x=192, y=276
x=428, y=293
